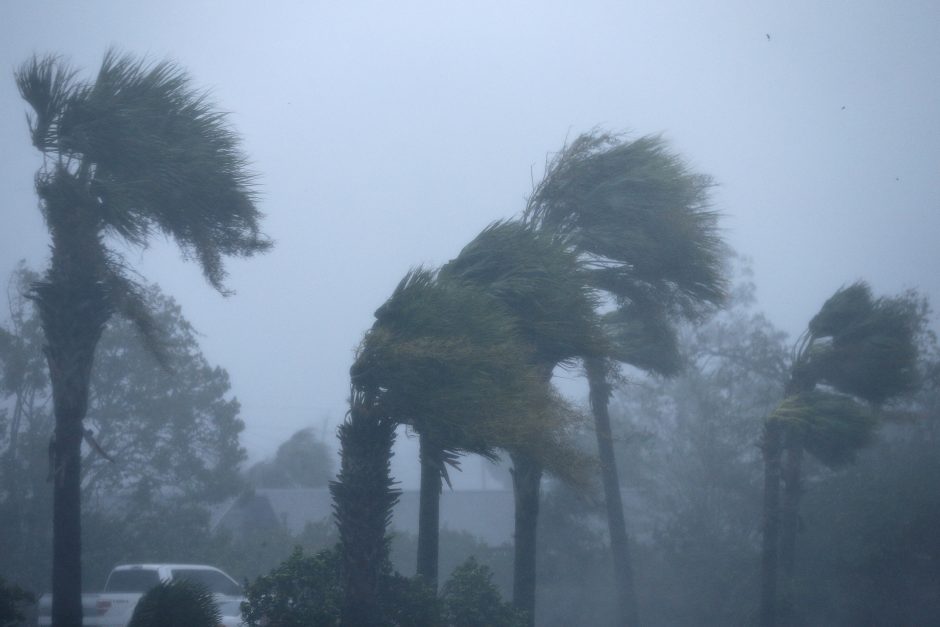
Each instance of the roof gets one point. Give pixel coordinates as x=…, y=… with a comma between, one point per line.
x=486, y=514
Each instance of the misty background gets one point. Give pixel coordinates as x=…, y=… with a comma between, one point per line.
x=388, y=136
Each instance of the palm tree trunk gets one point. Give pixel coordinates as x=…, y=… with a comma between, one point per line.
x=772, y=447
x=429, y=511
x=363, y=500
x=789, y=524
x=526, y=480
x=619, y=543
x=73, y=308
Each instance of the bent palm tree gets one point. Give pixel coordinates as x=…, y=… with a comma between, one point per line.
x=536, y=278
x=134, y=152
x=446, y=360
x=641, y=223
x=863, y=351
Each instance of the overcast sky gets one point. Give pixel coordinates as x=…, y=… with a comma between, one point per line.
x=388, y=135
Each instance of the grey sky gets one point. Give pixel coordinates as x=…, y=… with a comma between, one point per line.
x=388, y=134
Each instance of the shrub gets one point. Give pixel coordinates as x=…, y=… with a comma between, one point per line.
x=12, y=600
x=303, y=591
x=177, y=603
x=470, y=598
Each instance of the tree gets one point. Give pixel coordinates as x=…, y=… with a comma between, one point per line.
x=542, y=284
x=856, y=353
x=445, y=359
x=172, y=434
x=641, y=221
x=303, y=461
x=133, y=152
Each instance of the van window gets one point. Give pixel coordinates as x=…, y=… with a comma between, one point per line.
x=212, y=579
x=131, y=580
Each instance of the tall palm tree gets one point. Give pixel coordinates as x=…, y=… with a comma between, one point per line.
x=641, y=222
x=535, y=277
x=134, y=152
x=856, y=353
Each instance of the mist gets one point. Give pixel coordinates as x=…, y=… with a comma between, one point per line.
x=384, y=139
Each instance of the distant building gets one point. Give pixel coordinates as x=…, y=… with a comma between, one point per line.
x=486, y=514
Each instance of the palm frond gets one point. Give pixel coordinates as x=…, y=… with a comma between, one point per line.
x=541, y=282
x=864, y=346
x=155, y=155
x=832, y=427
x=444, y=358
x=643, y=336
x=639, y=214
x=46, y=84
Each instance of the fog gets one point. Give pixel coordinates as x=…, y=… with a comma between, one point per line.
x=386, y=136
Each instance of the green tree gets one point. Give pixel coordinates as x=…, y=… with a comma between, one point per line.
x=303, y=461
x=856, y=353
x=445, y=360
x=13, y=600
x=691, y=468
x=641, y=221
x=172, y=433
x=134, y=152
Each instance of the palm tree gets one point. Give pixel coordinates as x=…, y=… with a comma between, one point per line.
x=535, y=277
x=445, y=359
x=363, y=499
x=641, y=223
x=133, y=152
x=856, y=353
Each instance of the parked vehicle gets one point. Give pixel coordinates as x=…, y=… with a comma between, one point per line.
x=127, y=583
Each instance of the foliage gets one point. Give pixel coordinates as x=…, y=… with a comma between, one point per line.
x=303, y=591
x=152, y=152
x=870, y=551
x=444, y=359
x=641, y=217
x=172, y=433
x=178, y=603
x=691, y=468
x=303, y=461
x=470, y=598
x=832, y=426
x=12, y=602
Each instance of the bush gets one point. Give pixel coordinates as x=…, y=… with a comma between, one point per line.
x=303, y=591
x=12, y=600
x=470, y=598
x=178, y=603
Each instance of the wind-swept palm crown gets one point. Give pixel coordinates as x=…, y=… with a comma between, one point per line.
x=541, y=281
x=445, y=358
x=856, y=348
x=638, y=215
x=138, y=151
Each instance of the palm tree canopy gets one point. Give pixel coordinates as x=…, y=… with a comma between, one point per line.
x=639, y=216
x=541, y=282
x=832, y=427
x=142, y=151
x=444, y=358
x=857, y=348
x=864, y=346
